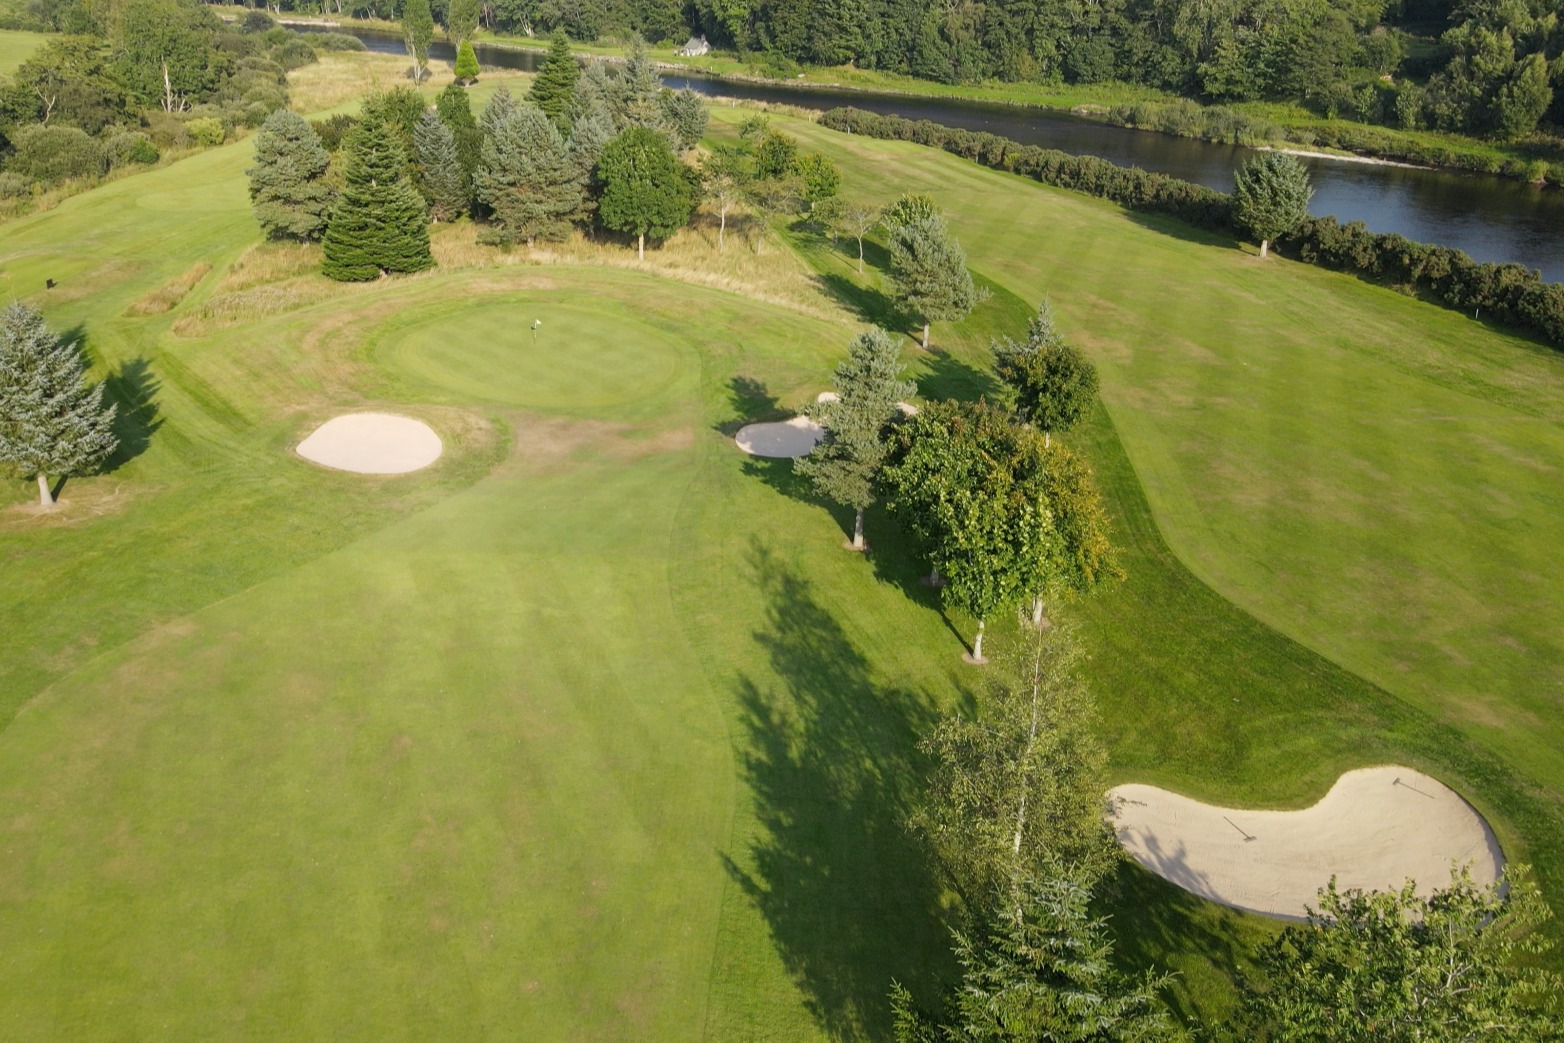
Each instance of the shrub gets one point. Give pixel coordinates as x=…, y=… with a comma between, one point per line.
x=14, y=186
x=52, y=154
x=133, y=147
x=334, y=42
x=167, y=131
x=206, y=131
x=332, y=129
x=256, y=21
x=295, y=54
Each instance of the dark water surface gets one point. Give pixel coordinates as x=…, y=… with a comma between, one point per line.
x=1491, y=218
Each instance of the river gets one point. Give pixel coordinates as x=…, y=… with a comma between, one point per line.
x=1491, y=218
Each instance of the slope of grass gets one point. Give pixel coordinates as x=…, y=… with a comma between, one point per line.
x=16, y=47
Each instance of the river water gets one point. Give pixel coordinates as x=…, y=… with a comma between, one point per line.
x=1491, y=218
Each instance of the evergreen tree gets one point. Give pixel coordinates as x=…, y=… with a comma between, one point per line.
x=418, y=34
x=929, y=270
x=910, y=209
x=526, y=178
x=597, y=88
x=461, y=21
x=1271, y=196
x=590, y=133
x=500, y=108
x=1052, y=384
x=683, y=117
x=380, y=223
x=645, y=191
x=441, y=179
x=640, y=86
x=554, y=88
x=869, y=385
x=288, y=188
x=466, y=68
x=455, y=111
x=1043, y=972
x=52, y=422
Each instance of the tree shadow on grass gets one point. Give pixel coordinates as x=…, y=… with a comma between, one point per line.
x=752, y=402
x=133, y=388
x=831, y=757
x=945, y=376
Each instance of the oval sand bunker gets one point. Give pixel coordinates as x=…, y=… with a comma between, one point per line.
x=795, y=437
x=372, y=443
x=1375, y=829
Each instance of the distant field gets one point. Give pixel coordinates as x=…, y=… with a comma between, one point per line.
x=592, y=731
x=16, y=47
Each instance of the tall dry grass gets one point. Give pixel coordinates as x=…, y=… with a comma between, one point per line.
x=167, y=297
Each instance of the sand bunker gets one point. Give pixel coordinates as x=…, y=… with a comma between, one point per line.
x=907, y=408
x=1375, y=829
x=372, y=443
x=795, y=437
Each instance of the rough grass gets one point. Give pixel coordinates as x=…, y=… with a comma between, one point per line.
x=16, y=47
x=168, y=296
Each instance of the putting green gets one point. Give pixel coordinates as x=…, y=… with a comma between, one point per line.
x=583, y=357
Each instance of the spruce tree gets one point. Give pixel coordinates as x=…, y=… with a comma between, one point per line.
x=598, y=88
x=929, y=271
x=52, y=421
x=417, y=34
x=455, y=111
x=869, y=386
x=590, y=133
x=683, y=117
x=554, y=89
x=380, y=223
x=466, y=68
x=641, y=86
x=1271, y=196
x=1052, y=384
x=645, y=191
x=526, y=178
x=288, y=188
x=440, y=176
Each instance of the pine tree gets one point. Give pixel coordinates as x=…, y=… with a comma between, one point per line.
x=455, y=111
x=597, y=88
x=554, y=89
x=526, y=178
x=683, y=117
x=645, y=191
x=641, y=86
x=466, y=68
x=440, y=176
x=380, y=223
x=418, y=33
x=869, y=386
x=929, y=270
x=461, y=21
x=288, y=188
x=52, y=422
x=1270, y=196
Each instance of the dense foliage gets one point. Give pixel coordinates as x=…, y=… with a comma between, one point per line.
x=288, y=188
x=1508, y=293
x=380, y=224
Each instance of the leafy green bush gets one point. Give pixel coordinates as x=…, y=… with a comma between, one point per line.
x=333, y=42
x=295, y=54
x=52, y=154
x=206, y=131
x=14, y=186
x=132, y=147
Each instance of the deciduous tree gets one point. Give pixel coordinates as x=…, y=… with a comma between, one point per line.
x=1391, y=967
x=822, y=179
x=645, y=192
x=461, y=21
x=380, y=223
x=869, y=385
x=1271, y=196
x=725, y=175
x=52, y=421
x=418, y=34
x=288, y=188
x=857, y=219
x=929, y=271
x=1051, y=384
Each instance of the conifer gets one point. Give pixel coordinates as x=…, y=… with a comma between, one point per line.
x=554, y=90
x=52, y=421
x=526, y=178
x=441, y=179
x=380, y=223
x=288, y=188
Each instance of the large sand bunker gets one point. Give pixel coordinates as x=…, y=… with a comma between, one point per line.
x=1375, y=829
x=372, y=443
x=795, y=437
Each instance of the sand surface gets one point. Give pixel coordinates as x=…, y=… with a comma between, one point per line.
x=1375, y=829
x=372, y=443
x=795, y=437
x=907, y=408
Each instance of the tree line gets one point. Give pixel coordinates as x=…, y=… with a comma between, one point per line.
x=1507, y=293
x=1013, y=813
x=131, y=80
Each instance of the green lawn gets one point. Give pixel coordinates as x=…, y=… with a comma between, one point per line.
x=592, y=731
x=16, y=47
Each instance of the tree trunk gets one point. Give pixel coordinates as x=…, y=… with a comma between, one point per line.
x=1031, y=741
x=722, y=228
x=1037, y=610
x=977, y=643
x=858, y=530
x=1265, y=246
x=640, y=247
x=45, y=497
x=933, y=579
x=925, y=336
x=860, y=255
x=1048, y=439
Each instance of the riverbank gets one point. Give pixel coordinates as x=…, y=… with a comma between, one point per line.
x=1539, y=160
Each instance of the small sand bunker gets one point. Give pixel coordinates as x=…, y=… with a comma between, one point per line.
x=1375, y=829
x=795, y=437
x=907, y=408
x=372, y=443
